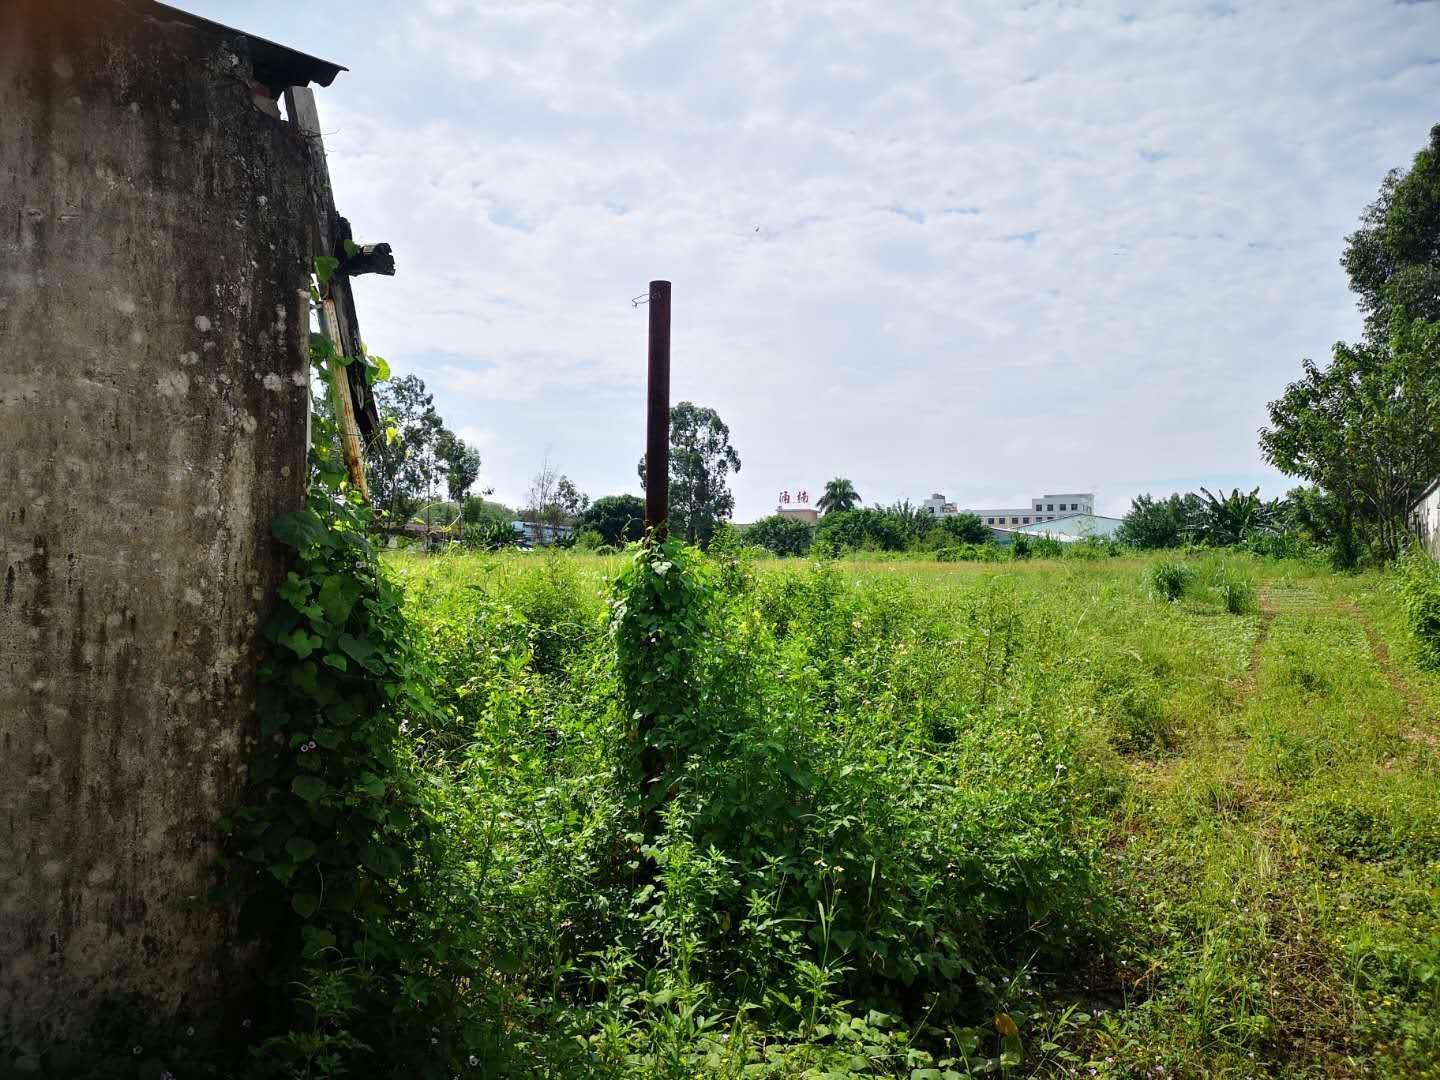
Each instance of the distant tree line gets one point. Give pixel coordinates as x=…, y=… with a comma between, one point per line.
x=848, y=527
x=1306, y=517
x=416, y=459
x=419, y=469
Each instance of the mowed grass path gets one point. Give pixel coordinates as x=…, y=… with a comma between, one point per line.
x=1287, y=858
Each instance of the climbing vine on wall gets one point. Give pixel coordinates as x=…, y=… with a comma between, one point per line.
x=336, y=822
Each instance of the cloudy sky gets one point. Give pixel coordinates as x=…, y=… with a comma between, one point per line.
x=987, y=248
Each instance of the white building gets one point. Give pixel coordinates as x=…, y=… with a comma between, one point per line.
x=1425, y=520
x=1074, y=527
x=1041, y=508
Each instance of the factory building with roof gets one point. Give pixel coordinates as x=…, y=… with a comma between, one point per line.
x=1042, y=508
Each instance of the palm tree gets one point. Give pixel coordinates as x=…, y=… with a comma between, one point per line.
x=840, y=494
x=1224, y=520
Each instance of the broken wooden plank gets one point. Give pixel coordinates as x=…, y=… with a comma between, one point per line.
x=337, y=311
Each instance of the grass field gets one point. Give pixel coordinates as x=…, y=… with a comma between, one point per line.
x=949, y=819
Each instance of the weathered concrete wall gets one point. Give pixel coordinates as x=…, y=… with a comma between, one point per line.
x=152, y=422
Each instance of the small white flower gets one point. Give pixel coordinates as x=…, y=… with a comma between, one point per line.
x=137, y=1050
x=474, y=1060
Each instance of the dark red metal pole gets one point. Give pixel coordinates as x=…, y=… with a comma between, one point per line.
x=657, y=417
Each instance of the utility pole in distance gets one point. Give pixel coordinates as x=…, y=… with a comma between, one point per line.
x=657, y=418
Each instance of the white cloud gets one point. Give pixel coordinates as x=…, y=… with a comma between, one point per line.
x=985, y=248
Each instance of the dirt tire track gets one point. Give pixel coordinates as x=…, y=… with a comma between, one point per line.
x=1262, y=634
x=1417, y=709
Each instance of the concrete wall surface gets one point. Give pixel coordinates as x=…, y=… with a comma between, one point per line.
x=152, y=422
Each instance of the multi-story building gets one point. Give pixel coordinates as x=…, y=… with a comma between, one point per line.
x=1041, y=508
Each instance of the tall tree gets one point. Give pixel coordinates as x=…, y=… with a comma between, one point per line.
x=553, y=499
x=459, y=463
x=913, y=521
x=701, y=460
x=1366, y=427
x=1393, y=259
x=540, y=499
x=570, y=501
x=402, y=470
x=863, y=530
x=840, y=494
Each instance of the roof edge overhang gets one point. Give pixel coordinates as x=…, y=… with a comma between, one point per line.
x=277, y=66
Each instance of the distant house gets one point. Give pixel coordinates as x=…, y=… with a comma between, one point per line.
x=531, y=533
x=1425, y=519
x=1041, y=508
x=1044, y=508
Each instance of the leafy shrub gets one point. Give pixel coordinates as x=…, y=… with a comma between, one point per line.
x=1168, y=579
x=490, y=535
x=781, y=535
x=987, y=552
x=1020, y=546
x=1087, y=547
x=1417, y=581
x=862, y=530
x=958, y=529
x=803, y=822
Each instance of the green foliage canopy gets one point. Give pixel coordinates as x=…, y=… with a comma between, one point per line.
x=781, y=534
x=701, y=460
x=459, y=463
x=862, y=530
x=1158, y=523
x=1227, y=520
x=619, y=519
x=1393, y=259
x=840, y=494
x=1366, y=426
